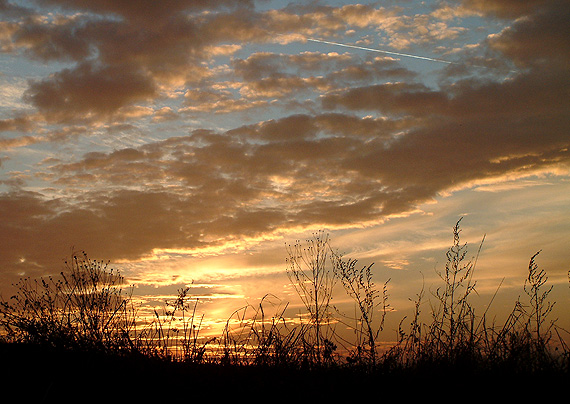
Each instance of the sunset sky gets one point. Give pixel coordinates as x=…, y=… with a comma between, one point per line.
x=191, y=140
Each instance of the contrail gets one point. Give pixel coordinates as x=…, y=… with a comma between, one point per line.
x=382, y=51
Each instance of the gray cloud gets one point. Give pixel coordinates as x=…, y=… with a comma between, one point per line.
x=147, y=10
x=89, y=89
x=541, y=40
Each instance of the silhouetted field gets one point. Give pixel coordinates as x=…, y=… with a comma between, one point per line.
x=41, y=374
x=78, y=337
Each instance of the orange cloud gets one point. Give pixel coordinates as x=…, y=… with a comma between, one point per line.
x=507, y=8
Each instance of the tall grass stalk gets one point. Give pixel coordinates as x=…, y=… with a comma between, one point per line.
x=358, y=284
x=308, y=269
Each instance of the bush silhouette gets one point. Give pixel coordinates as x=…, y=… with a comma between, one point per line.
x=85, y=308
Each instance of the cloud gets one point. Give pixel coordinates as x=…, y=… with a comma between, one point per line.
x=20, y=123
x=377, y=142
x=13, y=11
x=165, y=114
x=69, y=94
x=127, y=62
x=330, y=169
x=199, y=190
x=53, y=39
x=469, y=132
x=18, y=142
x=333, y=66
x=155, y=51
x=508, y=8
x=147, y=10
x=541, y=39
x=44, y=230
x=264, y=78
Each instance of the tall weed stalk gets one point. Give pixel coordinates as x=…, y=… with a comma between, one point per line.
x=358, y=284
x=308, y=269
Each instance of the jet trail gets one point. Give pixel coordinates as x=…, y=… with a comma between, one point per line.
x=381, y=51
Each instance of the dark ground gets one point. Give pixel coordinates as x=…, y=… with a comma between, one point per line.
x=39, y=375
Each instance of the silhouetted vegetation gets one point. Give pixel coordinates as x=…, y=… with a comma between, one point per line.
x=87, y=312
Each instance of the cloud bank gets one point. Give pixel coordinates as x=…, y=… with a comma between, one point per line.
x=310, y=138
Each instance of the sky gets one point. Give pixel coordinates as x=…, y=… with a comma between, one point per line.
x=190, y=141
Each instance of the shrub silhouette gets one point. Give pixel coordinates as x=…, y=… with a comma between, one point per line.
x=85, y=308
